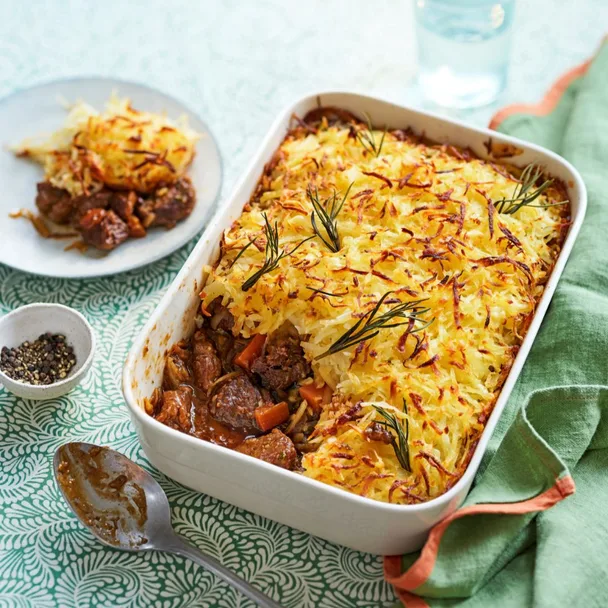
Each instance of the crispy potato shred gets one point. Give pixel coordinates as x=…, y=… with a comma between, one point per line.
x=420, y=220
x=120, y=147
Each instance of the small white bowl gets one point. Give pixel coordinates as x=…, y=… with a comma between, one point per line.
x=27, y=323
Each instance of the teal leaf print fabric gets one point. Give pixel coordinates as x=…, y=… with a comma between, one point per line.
x=48, y=559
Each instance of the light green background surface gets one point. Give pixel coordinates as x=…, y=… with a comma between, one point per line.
x=237, y=64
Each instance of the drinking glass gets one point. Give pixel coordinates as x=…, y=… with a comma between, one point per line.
x=463, y=50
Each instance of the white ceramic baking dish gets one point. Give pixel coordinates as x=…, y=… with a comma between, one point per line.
x=287, y=497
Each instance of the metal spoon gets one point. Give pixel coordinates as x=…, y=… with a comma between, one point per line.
x=125, y=508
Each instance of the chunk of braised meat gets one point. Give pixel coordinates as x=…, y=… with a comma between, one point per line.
x=85, y=203
x=376, y=432
x=123, y=203
x=235, y=403
x=208, y=428
x=228, y=347
x=105, y=217
x=174, y=203
x=55, y=203
x=167, y=205
x=206, y=365
x=175, y=409
x=275, y=448
x=103, y=229
x=282, y=363
x=176, y=368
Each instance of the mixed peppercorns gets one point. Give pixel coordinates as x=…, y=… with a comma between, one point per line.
x=46, y=360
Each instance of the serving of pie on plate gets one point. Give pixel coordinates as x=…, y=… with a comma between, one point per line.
x=112, y=175
x=110, y=165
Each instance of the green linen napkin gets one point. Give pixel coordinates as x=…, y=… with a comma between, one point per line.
x=553, y=437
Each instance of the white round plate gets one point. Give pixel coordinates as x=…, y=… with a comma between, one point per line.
x=39, y=110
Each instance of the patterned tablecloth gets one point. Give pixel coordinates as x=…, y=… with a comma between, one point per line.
x=236, y=63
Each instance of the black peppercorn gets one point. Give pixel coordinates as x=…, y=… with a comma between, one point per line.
x=42, y=361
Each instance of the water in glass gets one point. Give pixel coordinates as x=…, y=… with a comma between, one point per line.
x=463, y=48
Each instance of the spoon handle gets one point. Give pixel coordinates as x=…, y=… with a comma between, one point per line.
x=179, y=546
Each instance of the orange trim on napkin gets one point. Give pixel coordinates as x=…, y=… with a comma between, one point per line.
x=547, y=103
x=409, y=600
x=551, y=98
x=421, y=569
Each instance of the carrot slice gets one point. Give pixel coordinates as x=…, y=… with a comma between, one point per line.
x=269, y=416
x=251, y=352
x=316, y=396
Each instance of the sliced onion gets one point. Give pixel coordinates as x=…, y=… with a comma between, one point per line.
x=295, y=418
x=221, y=314
x=223, y=379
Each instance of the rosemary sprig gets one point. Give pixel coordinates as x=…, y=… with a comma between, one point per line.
x=370, y=325
x=400, y=442
x=242, y=251
x=327, y=211
x=523, y=195
x=273, y=255
x=368, y=141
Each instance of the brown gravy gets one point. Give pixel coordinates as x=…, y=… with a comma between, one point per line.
x=204, y=426
x=104, y=494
